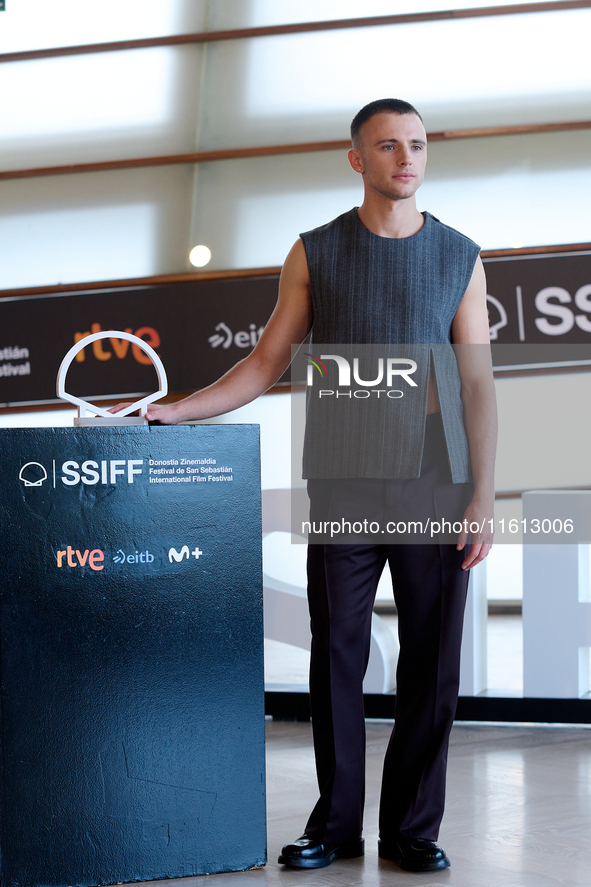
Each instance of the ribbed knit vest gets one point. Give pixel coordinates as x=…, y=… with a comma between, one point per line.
x=373, y=290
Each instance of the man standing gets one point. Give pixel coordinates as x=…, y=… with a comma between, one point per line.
x=384, y=273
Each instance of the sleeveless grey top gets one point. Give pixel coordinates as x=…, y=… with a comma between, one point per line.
x=384, y=292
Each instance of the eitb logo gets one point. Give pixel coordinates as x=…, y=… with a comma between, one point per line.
x=387, y=372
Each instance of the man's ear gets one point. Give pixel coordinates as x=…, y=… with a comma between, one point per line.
x=355, y=160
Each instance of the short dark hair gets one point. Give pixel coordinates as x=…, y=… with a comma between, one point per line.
x=393, y=106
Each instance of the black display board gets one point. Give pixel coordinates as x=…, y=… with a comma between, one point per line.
x=132, y=706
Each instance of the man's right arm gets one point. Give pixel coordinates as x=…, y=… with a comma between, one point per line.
x=289, y=324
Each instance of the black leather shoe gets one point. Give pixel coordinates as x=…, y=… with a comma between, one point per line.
x=307, y=853
x=414, y=854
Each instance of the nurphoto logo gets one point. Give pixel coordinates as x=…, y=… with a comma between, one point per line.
x=389, y=370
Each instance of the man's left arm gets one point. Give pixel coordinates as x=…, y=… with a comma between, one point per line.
x=470, y=331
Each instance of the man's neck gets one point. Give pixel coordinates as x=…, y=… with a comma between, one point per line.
x=391, y=218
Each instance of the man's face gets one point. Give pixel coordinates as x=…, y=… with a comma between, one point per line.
x=392, y=154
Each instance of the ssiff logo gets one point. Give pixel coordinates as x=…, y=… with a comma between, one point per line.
x=388, y=369
x=33, y=474
x=88, y=472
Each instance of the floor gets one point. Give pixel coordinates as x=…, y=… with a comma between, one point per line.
x=518, y=805
x=518, y=811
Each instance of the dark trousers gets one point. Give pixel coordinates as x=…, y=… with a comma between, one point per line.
x=430, y=592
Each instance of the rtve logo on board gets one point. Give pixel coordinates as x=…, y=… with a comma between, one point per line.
x=76, y=558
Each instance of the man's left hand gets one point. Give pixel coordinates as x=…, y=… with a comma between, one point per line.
x=479, y=512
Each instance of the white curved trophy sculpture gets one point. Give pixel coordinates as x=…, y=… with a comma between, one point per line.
x=102, y=415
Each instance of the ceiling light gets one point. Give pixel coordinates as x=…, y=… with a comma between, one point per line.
x=200, y=255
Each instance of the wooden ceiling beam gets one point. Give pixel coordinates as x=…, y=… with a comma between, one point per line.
x=159, y=279
x=276, y=150
x=297, y=28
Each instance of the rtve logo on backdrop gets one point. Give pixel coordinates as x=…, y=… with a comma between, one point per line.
x=120, y=346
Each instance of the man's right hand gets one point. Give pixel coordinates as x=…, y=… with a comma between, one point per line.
x=155, y=412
